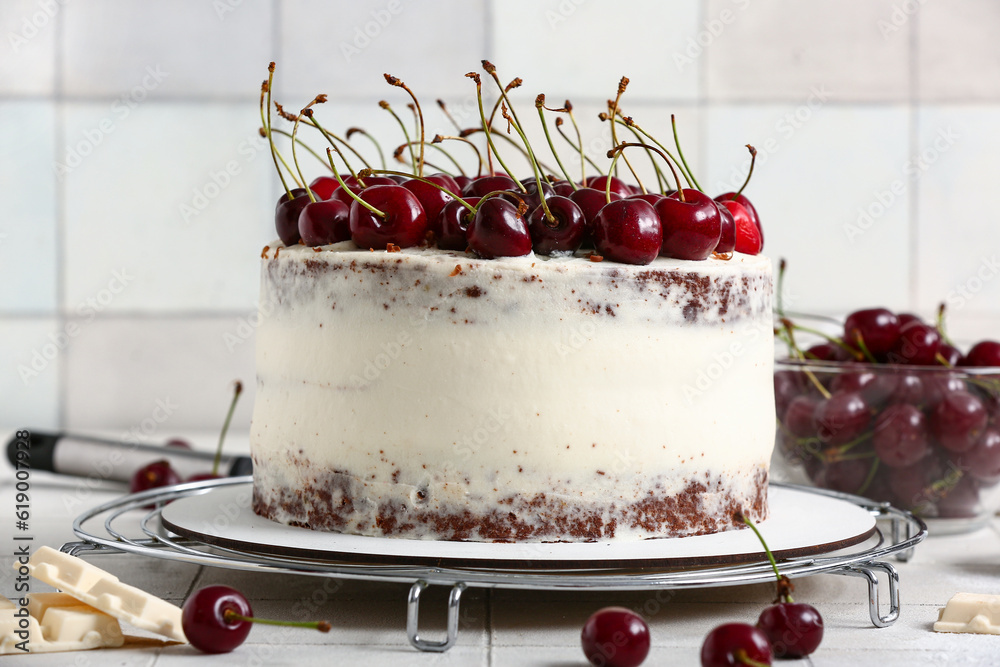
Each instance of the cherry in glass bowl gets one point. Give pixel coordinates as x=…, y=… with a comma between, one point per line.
x=923, y=438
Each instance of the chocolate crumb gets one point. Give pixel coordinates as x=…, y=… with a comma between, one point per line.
x=392, y=247
x=596, y=258
x=456, y=271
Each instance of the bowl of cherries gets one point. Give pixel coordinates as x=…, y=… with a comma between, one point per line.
x=888, y=408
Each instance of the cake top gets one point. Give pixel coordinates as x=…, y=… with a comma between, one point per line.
x=494, y=214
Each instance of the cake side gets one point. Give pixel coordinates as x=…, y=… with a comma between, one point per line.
x=427, y=394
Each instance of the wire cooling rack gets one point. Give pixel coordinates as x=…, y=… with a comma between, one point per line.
x=897, y=533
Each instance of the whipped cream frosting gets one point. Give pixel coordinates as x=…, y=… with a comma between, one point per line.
x=397, y=388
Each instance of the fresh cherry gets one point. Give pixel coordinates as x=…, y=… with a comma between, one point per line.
x=483, y=185
x=900, y=436
x=615, y=637
x=982, y=461
x=748, y=238
x=842, y=418
x=876, y=328
x=404, y=224
x=432, y=199
x=733, y=644
x=827, y=352
x=153, y=476
x=286, y=216
x=727, y=225
x=324, y=186
x=794, y=629
x=178, y=443
x=562, y=234
x=618, y=186
x=323, y=222
x=951, y=355
x=958, y=421
x=745, y=203
x=628, y=231
x=984, y=353
x=799, y=417
x=692, y=228
x=498, y=230
x=452, y=224
x=918, y=345
x=214, y=474
x=591, y=202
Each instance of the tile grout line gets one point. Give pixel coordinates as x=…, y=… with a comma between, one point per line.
x=914, y=131
x=59, y=140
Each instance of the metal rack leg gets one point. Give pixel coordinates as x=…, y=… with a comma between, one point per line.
x=77, y=548
x=865, y=571
x=413, y=618
x=897, y=525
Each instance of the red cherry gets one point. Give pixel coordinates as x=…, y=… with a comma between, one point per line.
x=203, y=476
x=405, y=223
x=452, y=224
x=692, y=228
x=918, y=345
x=878, y=328
x=179, y=443
x=483, y=185
x=591, y=202
x=498, y=230
x=323, y=222
x=958, y=421
x=983, y=353
x=615, y=637
x=794, y=629
x=286, y=216
x=748, y=239
x=462, y=181
x=842, y=418
x=982, y=461
x=153, y=476
x=432, y=199
x=565, y=234
x=205, y=621
x=563, y=188
x=745, y=203
x=618, y=186
x=731, y=643
x=727, y=224
x=952, y=355
x=628, y=231
x=827, y=352
x=323, y=186
x=799, y=417
x=900, y=436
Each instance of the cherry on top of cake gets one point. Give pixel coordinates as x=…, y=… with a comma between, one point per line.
x=493, y=213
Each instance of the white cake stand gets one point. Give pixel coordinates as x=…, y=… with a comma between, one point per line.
x=811, y=531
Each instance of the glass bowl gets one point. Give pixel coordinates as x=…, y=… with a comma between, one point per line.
x=926, y=439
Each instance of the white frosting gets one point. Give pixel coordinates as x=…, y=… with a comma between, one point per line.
x=515, y=376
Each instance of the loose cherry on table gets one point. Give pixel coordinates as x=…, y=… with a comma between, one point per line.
x=615, y=637
x=214, y=472
x=153, y=476
x=628, y=231
x=217, y=619
x=735, y=644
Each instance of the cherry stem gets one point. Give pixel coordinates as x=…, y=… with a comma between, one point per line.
x=330, y=137
x=779, y=297
x=406, y=133
x=614, y=154
x=540, y=104
x=319, y=99
x=336, y=174
x=479, y=156
x=833, y=340
x=516, y=123
x=753, y=161
x=304, y=145
x=491, y=149
x=323, y=626
x=516, y=83
x=864, y=348
x=871, y=475
x=578, y=146
x=489, y=134
x=631, y=123
x=622, y=84
x=789, y=328
x=266, y=88
x=940, y=325
x=622, y=146
x=237, y=390
x=399, y=158
x=369, y=172
x=378, y=146
x=447, y=114
x=680, y=153
x=432, y=144
x=744, y=659
x=393, y=81
x=770, y=556
x=520, y=149
x=661, y=180
x=534, y=167
x=604, y=118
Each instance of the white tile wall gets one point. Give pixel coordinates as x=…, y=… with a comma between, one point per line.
x=84, y=79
